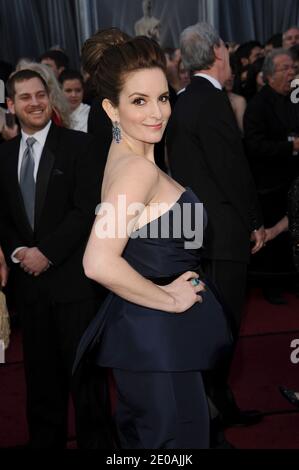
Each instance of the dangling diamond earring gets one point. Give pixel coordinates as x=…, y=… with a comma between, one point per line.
x=116, y=132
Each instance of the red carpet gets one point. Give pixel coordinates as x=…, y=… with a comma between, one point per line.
x=274, y=432
x=260, y=317
x=13, y=430
x=261, y=363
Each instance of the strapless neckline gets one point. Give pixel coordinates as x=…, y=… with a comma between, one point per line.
x=187, y=189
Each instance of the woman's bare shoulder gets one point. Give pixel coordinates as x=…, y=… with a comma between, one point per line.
x=133, y=175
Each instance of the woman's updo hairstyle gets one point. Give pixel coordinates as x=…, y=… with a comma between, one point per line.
x=93, y=47
x=119, y=56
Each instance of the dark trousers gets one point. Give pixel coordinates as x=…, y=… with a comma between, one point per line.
x=51, y=332
x=230, y=279
x=161, y=410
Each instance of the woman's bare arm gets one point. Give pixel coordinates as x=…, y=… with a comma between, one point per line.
x=103, y=260
x=280, y=227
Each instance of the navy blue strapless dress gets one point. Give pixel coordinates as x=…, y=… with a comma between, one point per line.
x=130, y=337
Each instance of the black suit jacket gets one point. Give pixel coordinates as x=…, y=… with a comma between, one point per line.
x=99, y=125
x=67, y=192
x=206, y=153
x=269, y=119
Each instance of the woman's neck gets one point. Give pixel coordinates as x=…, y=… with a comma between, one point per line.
x=142, y=149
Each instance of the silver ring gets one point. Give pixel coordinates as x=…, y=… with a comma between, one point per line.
x=195, y=282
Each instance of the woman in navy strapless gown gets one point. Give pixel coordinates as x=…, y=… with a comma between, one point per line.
x=159, y=326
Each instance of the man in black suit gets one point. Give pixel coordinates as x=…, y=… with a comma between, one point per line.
x=50, y=184
x=205, y=152
x=271, y=125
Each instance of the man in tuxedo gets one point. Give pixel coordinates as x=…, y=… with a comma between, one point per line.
x=50, y=184
x=205, y=153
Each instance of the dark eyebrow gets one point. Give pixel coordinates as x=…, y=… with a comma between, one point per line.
x=146, y=96
x=23, y=95
x=139, y=94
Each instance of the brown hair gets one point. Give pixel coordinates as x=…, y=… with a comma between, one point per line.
x=22, y=76
x=118, y=55
x=93, y=47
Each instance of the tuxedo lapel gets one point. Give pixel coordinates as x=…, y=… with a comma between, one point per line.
x=42, y=181
x=44, y=171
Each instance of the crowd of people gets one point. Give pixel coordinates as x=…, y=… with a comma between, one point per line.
x=209, y=125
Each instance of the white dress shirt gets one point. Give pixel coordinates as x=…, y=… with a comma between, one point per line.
x=182, y=90
x=79, y=118
x=212, y=80
x=37, y=150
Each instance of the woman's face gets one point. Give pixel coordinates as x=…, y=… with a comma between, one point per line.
x=144, y=107
x=73, y=90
